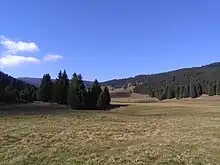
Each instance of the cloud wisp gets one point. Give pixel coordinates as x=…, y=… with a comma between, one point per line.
x=52, y=57
x=14, y=53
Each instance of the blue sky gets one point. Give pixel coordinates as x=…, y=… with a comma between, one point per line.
x=107, y=39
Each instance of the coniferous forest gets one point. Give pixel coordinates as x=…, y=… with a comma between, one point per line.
x=182, y=83
x=62, y=91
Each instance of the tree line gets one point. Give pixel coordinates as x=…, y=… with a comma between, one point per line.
x=208, y=73
x=193, y=88
x=73, y=92
x=12, y=90
x=62, y=91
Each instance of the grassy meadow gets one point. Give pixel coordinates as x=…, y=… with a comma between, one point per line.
x=168, y=132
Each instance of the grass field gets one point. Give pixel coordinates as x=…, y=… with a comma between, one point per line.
x=169, y=132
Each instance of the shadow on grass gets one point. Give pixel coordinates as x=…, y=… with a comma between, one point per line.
x=44, y=109
x=33, y=109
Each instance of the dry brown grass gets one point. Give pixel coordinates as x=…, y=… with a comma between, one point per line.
x=169, y=132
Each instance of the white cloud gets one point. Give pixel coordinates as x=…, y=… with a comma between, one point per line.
x=10, y=56
x=17, y=46
x=52, y=57
x=14, y=60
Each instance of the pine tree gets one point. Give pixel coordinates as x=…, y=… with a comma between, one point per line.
x=152, y=93
x=27, y=94
x=211, y=89
x=218, y=87
x=171, y=93
x=193, y=93
x=186, y=91
x=58, y=89
x=11, y=94
x=77, y=92
x=177, y=92
x=107, y=95
x=66, y=86
x=198, y=89
x=162, y=93
x=45, y=89
x=214, y=88
x=89, y=103
x=204, y=87
x=181, y=92
x=103, y=101
x=95, y=92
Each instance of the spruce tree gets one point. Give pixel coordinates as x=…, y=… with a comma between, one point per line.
x=11, y=94
x=181, y=92
x=205, y=87
x=198, y=89
x=214, y=88
x=218, y=87
x=95, y=92
x=58, y=89
x=162, y=93
x=66, y=86
x=211, y=89
x=89, y=101
x=186, y=91
x=103, y=101
x=45, y=89
x=27, y=94
x=77, y=92
x=177, y=92
x=107, y=95
x=171, y=93
x=193, y=93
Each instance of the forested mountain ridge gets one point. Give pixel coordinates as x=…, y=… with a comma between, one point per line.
x=206, y=71
x=11, y=88
x=6, y=79
x=187, y=82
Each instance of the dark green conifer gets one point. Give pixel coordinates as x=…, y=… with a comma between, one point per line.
x=77, y=93
x=103, y=101
x=45, y=89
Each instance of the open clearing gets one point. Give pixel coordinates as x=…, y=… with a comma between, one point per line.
x=169, y=132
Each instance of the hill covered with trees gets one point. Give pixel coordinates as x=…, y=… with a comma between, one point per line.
x=182, y=83
x=12, y=89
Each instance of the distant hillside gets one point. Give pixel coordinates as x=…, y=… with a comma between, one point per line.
x=186, y=82
x=204, y=72
x=29, y=80
x=6, y=80
x=11, y=87
x=37, y=81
